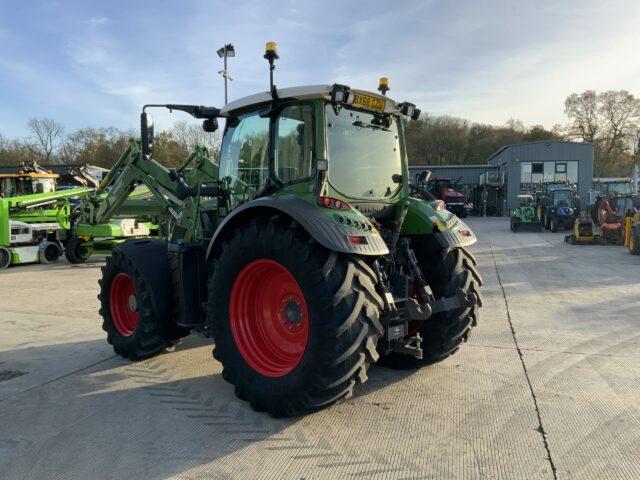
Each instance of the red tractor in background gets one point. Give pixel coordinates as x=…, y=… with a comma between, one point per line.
x=611, y=213
x=445, y=189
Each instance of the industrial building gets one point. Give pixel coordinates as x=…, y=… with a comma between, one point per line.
x=527, y=164
x=516, y=169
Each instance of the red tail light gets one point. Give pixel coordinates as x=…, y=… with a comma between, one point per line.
x=357, y=240
x=333, y=203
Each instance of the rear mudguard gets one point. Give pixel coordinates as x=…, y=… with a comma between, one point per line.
x=323, y=224
x=423, y=219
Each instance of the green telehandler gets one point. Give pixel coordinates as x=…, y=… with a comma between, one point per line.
x=303, y=255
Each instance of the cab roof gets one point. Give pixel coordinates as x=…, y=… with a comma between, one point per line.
x=303, y=92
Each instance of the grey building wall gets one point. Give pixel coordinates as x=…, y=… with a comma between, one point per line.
x=510, y=158
x=470, y=173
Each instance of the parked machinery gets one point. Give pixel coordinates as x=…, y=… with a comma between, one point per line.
x=557, y=206
x=32, y=226
x=305, y=258
x=612, y=212
x=446, y=190
x=583, y=232
x=30, y=179
x=524, y=217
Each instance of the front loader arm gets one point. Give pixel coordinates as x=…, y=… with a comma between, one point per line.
x=130, y=169
x=166, y=186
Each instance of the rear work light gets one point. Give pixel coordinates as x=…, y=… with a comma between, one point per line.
x=333, y=203
x=439, y=204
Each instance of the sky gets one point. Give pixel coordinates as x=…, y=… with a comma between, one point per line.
x=89, y=63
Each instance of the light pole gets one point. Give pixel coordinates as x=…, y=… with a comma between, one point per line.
x=224, y=53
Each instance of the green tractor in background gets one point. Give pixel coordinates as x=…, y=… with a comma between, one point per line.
x=524, y=217
x=304, y=257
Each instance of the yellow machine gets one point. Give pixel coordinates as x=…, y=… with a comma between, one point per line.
x=30, y=179
x=583, y=232
x=632, y=233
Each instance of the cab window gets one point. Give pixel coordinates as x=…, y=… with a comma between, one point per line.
x=244, y=156
x=294, y=143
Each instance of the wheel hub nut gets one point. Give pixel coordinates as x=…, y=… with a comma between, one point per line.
x=133, y=303
x=290, y=314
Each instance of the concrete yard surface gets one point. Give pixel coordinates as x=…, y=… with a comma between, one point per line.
x=547, y=387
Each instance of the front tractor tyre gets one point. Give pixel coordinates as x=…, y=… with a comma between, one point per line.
x=5, y=257
x=74, y=250
x=445, y=271
x=634, y=241
x=136, y=299
x=295, y=325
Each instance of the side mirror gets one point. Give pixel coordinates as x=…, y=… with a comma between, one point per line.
x=425, y=175
x=146, y=133
x=210, y=125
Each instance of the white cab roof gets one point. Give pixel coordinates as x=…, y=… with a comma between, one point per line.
x=301, y=92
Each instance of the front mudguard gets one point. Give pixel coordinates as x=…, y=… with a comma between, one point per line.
x=446, y=228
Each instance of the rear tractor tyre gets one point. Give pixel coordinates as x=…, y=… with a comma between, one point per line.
x=442, y=334
x=136, y=302
x=295, y=325
x=75, y=252
x=634, y=241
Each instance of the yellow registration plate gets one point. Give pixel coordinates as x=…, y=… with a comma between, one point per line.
x=367, y=102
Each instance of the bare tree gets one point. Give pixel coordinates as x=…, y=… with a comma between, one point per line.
x=609, y=120
x=582, y=109
x=188, y=135
x=620, y=113
x=46, y=135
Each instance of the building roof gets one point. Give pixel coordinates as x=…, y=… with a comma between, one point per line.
x=453, y=166
x=505, y=147
x=300, y=92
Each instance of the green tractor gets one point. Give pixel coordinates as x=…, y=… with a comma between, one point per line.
x=306, y=260
x=524, y=217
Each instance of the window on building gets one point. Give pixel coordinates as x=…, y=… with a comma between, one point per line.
x=561, y=167
x=537, y=168
x=525, y=172
x=549, y=173
x=572, y=171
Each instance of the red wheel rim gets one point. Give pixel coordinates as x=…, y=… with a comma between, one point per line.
x=123, y=304
x=269, y=318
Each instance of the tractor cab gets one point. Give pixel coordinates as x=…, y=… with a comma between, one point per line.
x=332, y=144
x=445, y=189
x=526, y=200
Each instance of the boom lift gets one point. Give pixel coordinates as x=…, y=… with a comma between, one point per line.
x=30, y=225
